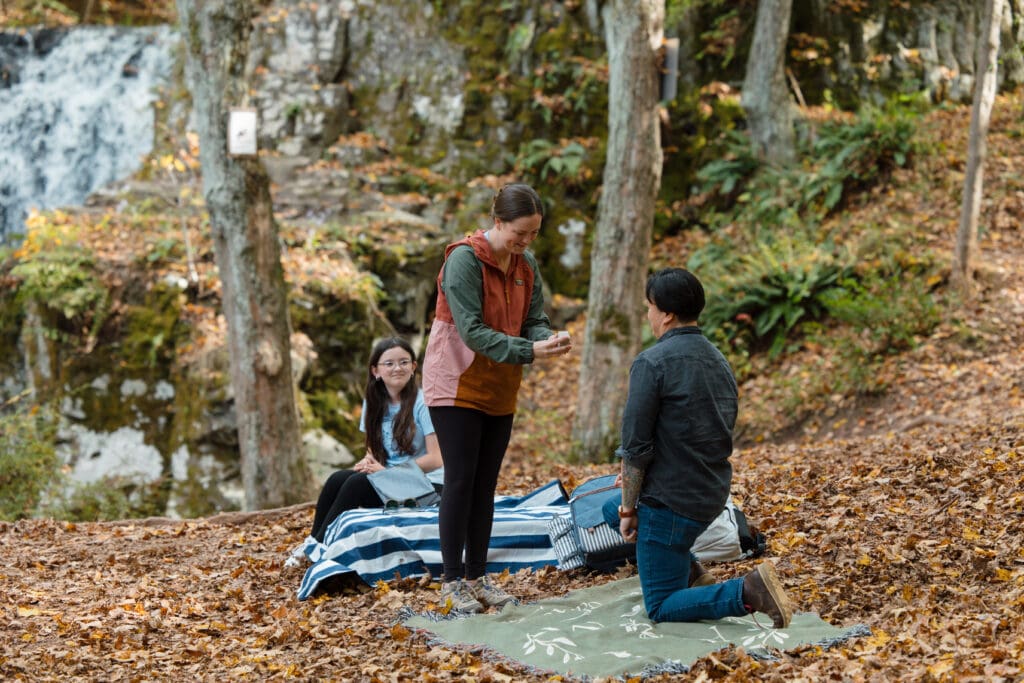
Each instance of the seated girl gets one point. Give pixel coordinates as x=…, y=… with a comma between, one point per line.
x=397, y=427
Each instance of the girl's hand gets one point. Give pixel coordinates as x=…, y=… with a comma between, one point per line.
x=367, y=465
x=553, y=346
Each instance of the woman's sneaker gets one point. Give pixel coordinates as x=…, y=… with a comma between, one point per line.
x=488, y=594
x=458, y=597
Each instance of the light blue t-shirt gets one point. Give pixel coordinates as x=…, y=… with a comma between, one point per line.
x=424, y=427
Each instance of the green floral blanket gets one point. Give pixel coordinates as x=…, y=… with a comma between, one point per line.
x=604, y=631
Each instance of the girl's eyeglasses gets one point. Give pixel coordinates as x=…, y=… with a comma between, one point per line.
x=390, y=364
x=396, y=504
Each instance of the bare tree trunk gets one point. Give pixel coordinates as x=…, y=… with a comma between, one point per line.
x=765, y=96
x=253, y=295
x=622, y=243
x=87, y=12
x=981, y=114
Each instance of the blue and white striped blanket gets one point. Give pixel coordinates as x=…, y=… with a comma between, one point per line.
x=378, y=544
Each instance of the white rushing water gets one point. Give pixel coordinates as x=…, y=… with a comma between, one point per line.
x=76, y=112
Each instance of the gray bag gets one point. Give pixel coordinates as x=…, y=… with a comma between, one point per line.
x=583, y=538
x=404, y=485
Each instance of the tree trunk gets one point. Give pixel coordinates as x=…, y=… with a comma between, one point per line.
x=87, y=12
x=765, y=96
x=253, y=295
x=622, y=241
x=984, y=97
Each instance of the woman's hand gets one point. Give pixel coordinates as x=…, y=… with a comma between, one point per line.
x=553, y=346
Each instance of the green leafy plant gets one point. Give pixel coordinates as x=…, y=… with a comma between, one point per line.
x=736, y=165
x=854, y=157
x=30, y=466
x=890, y=312
x=568, y=85
x=844, y=158
x=164, y=249
x=564, y=161
x=720, y=42
x=764, y=293
x=113, y=497
x=519, y=39
x=58, y=279
x=64, y=281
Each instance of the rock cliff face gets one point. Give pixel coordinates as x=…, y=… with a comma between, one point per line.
x=422, y=76
x=404, y=70
x=315, y=62
x=432, y=81
x=390, y=68
x=904, y=47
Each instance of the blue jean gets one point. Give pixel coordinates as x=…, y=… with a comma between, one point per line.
x=663, y=557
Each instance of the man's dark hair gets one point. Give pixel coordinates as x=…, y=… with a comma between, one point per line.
x=678, y=291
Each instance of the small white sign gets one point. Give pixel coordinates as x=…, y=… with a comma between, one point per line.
x=242, y=132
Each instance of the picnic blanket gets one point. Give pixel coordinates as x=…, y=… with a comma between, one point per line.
x=379, y=544
x=604, y=631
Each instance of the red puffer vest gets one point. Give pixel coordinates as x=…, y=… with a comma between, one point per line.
x=454, y=374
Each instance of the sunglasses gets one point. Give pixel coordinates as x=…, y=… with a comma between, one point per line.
x=396, y=504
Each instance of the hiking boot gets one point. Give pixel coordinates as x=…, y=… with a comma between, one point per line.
x=700, y=576
x=762, y=592
x=488, y=594
x=458, y=596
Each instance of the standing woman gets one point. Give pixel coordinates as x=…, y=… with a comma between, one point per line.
x=489, y=322
x=397, y=427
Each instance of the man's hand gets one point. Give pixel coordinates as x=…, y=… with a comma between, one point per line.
x=627, y=527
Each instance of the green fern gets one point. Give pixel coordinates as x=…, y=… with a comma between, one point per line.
x=765, y=293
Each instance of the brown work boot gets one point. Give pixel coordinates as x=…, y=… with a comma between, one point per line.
x=762, y=592
x=699, y=576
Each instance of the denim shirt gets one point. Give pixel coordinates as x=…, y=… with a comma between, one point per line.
x=678, y=422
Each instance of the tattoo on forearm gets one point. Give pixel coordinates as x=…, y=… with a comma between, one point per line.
x=632, y=480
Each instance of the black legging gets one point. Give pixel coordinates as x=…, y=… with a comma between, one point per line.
x=472, y=447
x=343, y=490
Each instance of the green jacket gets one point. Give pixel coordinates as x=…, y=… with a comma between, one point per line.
x=484, y=327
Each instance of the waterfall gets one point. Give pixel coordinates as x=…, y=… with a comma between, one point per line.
x=75, y=112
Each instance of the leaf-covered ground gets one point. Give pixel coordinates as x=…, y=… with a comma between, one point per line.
x=904, y=513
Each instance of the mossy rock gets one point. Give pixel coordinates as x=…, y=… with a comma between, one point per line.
x=11, y=363
x=342, y=331
x=154, y=328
